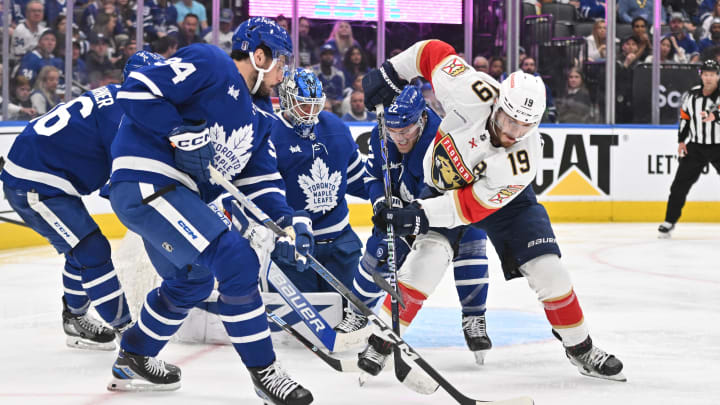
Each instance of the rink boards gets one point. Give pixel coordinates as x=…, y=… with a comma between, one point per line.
x=589, y=173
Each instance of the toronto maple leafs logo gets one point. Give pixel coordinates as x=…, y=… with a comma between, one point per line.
x=233, y=92
x=405, y=193
x=320, y=187
x=231, y=152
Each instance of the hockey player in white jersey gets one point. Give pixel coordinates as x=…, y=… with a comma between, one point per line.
x=485, y=154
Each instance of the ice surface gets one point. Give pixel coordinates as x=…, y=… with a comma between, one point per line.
x=654, y=303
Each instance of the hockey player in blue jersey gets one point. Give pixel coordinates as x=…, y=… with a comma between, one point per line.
x=193, y=110
x=320, y=163
x=411, y=129
x=58, y=158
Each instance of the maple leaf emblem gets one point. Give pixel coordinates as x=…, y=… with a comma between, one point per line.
x=233, y=152
x=233, y=92
x=405, y=193
x=320, y=187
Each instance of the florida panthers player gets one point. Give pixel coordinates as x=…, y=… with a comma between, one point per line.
x=186, y=113
x=320, y=163
x=485, y=154
x=58, y=158
x=411, y=128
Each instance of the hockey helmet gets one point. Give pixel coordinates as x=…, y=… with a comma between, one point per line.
x=710, y=65
x=302, y=98
x=522, y=98
x=257, y=31
x=406, y=112
x=140, y=59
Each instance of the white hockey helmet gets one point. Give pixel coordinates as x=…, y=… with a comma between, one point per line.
x=522, y=97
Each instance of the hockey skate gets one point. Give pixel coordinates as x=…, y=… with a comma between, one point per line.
x=595, y=362
x=275, y=387
x=86, y=332
x=373, y=358
x=476, y=336
x=352, y=322
x=665, y=230
x=134, y=372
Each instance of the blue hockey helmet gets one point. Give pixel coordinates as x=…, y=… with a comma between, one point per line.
x=302, y=98
x=257, y=31
x=140, y=59
x=406, y=109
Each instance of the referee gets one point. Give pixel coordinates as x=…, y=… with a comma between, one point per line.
x=698, y=141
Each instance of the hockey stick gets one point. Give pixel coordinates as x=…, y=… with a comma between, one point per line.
x=385, y=331
x=402, y=369
x=342, y=365
x=333, y=341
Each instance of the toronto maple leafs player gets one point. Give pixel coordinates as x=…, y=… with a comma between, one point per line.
x=411, y=128
x=59, y=157
x=320, y=163
x=485, y=154
x=193, y=110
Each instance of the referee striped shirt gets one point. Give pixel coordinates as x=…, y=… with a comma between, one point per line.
x=692, y=127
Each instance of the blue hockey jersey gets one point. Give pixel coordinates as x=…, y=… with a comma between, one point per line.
x=319, y=172
x=33, y=61
x=199, y=83
x=406, y=171
x=66, y=150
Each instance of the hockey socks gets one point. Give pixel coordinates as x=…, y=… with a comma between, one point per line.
x=414, y=300
x=247, y=326
x=158, y=321
x=103, y=288
x=75, y=298
x=471, y=281
x=566, y=317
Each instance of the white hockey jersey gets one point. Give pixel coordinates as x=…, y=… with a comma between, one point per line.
x=477, y=178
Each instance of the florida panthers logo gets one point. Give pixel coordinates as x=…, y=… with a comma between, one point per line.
x=320, y=188
x=231, y=152
x=448, y=170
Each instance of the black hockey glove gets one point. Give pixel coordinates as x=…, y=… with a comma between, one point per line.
x=381, y=86
x=410, y=220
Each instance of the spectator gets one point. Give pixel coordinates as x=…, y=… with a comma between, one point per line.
x=128, y=50
x=597, y=41
x=714, y=39
x=670, y=52
x=688, y=8
x=126, y=13
x=107, y=24
x=307, y=54
x=431, y=100
x=282, y=21
x=591, y=9
x=574, y=104
x=188, y=31
x=628, y=10
x=355, y=64
x=54, y=9
x=225, y=32
x=185, y=7
x=79, y=68
x=40, y=57
x=91, y=13
x=708, y=17
x=20, y=96
x=341, y=39
x=639, y=28
x=97, y=59
x=528, y=66
x=626, y=62
x=481, y=64
x=78, y=37
x=26, y=35
x=165, y=46
x=164, y=19
x=45, y=96
x=357, y=112
x=497, y=67
x=332, y=78
x=356, y=85
x=683, y=37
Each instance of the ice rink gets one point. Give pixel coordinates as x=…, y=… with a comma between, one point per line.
x=653, y=303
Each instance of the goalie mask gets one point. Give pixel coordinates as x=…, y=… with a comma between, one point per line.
x=520, y=105
x=301, y=99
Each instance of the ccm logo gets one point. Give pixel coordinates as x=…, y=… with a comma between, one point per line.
x=193, y=143
x=187, y=229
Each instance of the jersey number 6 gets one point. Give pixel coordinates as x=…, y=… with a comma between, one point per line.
x=485, y=91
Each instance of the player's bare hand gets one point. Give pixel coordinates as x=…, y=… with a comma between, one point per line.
x=682, y=149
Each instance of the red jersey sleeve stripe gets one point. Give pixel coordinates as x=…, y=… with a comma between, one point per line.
x=431, y=54
x=469, y=208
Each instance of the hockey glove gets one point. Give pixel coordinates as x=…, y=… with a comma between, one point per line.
x=410, y=220
x=299, y=242
x=193, y=150
x=381, y=86
x=377, y=248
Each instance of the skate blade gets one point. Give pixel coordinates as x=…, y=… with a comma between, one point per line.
x=136, y=385
x=77, y=342
x=363, y=378
x=662, y=235
x=480, y=356
x=589, y=373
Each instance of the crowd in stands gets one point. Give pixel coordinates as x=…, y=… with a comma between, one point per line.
x=103, y=39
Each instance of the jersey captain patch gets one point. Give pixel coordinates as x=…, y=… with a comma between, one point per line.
x=454, y=67
x=448, y=169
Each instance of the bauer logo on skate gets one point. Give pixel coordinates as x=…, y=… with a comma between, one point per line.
x=448, y=170
x=454, y=67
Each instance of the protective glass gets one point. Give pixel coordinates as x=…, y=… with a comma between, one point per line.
x=404, y=135
x=511, y=127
